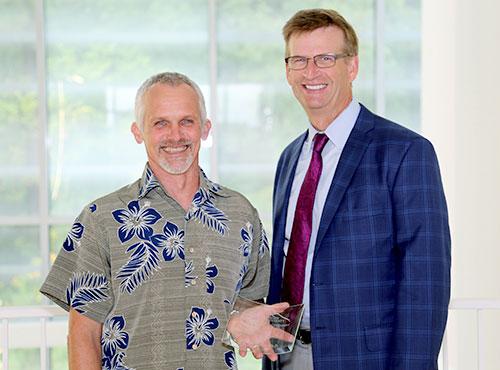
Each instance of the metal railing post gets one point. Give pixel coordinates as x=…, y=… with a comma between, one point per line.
x=43, y=343
x=5, y=344
x=444, y=350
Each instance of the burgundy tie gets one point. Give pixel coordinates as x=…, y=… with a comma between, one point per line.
x=295, y=266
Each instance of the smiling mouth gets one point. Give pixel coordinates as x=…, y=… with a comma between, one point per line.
x=175, y=149
x=315, y=87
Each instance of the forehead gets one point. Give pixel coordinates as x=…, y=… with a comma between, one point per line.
x=321, y=40
x=162, y=99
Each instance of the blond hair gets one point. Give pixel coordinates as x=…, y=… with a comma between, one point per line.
x=308, y=20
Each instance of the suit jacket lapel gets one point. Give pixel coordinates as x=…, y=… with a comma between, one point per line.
x=283, y=187
x=349, y=160
x=286, y=181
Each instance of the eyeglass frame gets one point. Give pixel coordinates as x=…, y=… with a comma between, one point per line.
x=314, y=58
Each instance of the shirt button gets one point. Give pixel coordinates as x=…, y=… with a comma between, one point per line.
x=193, y=282
x=191, y=250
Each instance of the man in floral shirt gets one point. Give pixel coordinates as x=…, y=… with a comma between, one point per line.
x=150, y=272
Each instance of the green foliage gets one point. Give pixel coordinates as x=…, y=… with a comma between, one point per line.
x=248, y=362
x=20, y=265
x=58, y=358
x=16, y=16
x=22, y=359
x=57, y=234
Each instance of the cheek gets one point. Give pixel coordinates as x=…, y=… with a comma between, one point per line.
x=295, y=81
x=296, y=87
x=293, y=78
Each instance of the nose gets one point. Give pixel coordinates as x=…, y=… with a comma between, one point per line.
x=174, y=132
x=311, y=71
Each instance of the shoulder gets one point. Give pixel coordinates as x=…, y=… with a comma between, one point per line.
x=233, y=199
x=383, y=128
x=291, y=152
x=295, y=145
x=103, y=206
x=388, y=135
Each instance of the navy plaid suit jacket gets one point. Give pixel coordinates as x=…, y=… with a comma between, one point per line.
x=380, y=280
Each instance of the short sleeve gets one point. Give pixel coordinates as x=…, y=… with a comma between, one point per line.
x=80, y=277
x=256, y=280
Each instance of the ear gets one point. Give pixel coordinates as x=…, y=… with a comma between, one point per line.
x=353, y=67
x=287, y=71
x=136, y=131
x=205, y=129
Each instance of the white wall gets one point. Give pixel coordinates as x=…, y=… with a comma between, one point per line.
x=461, y=116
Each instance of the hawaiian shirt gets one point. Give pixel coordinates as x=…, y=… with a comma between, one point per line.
x=160, y=279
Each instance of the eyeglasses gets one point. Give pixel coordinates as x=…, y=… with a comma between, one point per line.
x=320, y=60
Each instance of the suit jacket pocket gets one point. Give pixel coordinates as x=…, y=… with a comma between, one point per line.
x=377, y=338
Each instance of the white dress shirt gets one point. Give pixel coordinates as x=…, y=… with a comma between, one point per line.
x=338, y=131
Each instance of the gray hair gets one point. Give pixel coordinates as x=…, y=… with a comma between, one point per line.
x=170, y=79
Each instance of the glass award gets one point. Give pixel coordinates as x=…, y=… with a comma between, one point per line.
x=288, y=320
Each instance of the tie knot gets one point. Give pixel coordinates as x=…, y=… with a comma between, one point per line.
x=320, y=141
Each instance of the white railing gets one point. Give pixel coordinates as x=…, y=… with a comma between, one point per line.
x=477, y=306
x=45, y=313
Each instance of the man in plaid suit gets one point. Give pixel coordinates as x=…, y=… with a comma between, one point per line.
x=361, y=230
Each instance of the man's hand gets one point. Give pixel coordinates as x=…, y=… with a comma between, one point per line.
x=251, y=330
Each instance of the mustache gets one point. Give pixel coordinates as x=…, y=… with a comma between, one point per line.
x=181, y=142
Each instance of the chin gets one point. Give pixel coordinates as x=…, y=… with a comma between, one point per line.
x=177, y=169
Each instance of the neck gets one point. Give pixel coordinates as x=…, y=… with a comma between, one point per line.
x=181, y=187
x=321, y=119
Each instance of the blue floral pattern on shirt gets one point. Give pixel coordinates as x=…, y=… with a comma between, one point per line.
x=172, y=241
x=230, y=360
x=136, y=221
x=200, y=327
x=188, y=277
x=85, y=288
x=264, y=242
x=243, y=271
x=114, y=342
x=143, y=262
x=203, y=209
x=247, y=236
x=149, y=182
x=73, y=238
x=211, y=271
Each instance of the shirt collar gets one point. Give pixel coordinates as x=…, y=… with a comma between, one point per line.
x=211, y=186
x=148, y=182
x=340, y=128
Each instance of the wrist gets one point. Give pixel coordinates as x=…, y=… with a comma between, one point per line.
x=232, y=322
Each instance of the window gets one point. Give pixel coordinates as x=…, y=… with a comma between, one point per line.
x=70, y=72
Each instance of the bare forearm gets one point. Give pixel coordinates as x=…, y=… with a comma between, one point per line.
x=84, y=348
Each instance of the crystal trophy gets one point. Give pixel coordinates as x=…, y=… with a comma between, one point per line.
x=288, y=320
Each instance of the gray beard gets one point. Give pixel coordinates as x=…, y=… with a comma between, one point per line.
x=180, y=169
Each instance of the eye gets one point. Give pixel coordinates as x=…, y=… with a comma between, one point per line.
x=160, y=123
x=187, y=122
x=298, y=60
x=327, y=58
